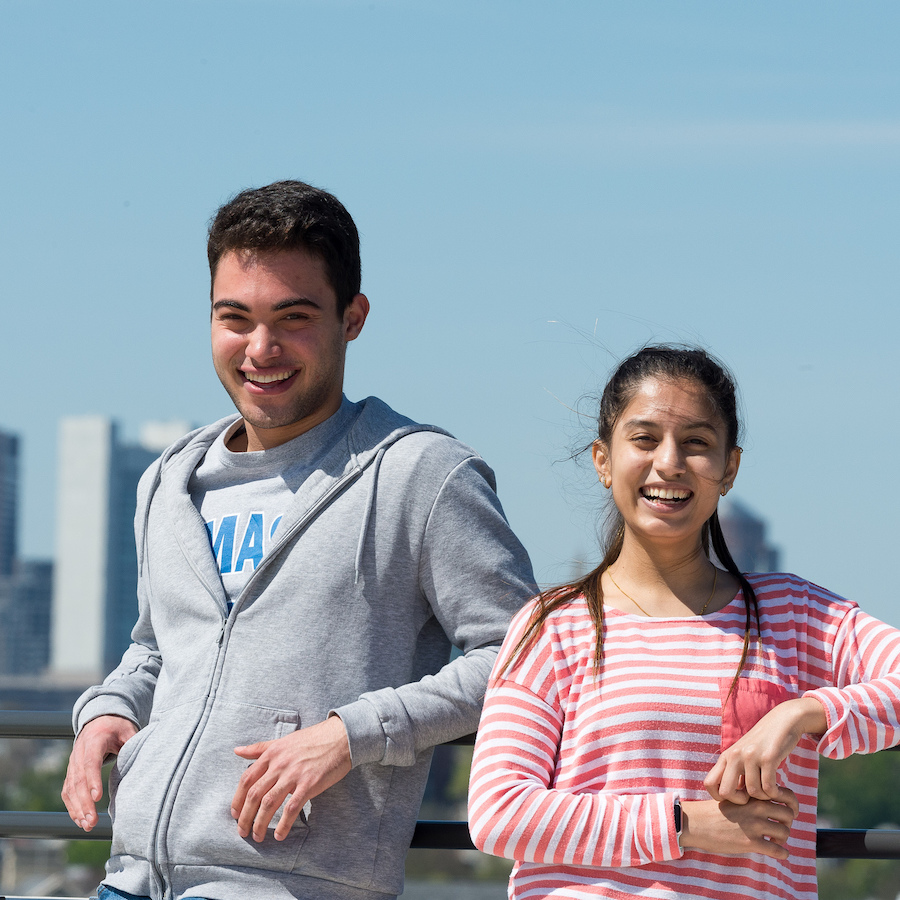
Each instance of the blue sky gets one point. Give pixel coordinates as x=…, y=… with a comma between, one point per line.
x=540, y=188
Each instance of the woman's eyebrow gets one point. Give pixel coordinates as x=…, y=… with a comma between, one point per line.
x=690, y=426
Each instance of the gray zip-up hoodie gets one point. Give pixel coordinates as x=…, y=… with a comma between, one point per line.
x=393, y=548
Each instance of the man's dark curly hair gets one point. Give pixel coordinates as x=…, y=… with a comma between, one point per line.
x=291, y=215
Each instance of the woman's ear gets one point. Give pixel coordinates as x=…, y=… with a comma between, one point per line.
x=731, y=470
x=601, y=463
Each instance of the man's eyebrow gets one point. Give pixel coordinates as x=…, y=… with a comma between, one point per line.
x=284, y=304
x=297, y=301
x=230, y=304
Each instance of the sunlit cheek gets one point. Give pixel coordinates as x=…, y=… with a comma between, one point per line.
x=227, y=346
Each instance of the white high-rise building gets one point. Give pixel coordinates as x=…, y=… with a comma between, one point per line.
x=95, y=577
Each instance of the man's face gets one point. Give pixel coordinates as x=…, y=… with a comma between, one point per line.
x=278, y=344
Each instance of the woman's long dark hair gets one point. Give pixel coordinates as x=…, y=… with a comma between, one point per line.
x=661, y=361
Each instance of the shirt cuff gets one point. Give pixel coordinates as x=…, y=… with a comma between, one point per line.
x=104, y=705
x=365, y=733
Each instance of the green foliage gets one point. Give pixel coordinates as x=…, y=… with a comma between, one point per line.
x=88, y=853
x=458, y=788
x=860, y=792
x=31, y=782
x=38, y=791
x=859, y=879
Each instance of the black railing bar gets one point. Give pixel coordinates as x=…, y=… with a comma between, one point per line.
x=51, y=825
x=31, y=723
x=831, y=843
x=857, y=843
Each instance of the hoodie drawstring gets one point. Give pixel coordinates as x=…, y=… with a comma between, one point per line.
x=367, y=515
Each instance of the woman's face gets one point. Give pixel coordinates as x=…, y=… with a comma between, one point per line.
x=668, y=461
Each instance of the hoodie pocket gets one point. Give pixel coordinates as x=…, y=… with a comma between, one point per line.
x=127, y=756
x=141, y=775
x=750, y=700
x=201, y=830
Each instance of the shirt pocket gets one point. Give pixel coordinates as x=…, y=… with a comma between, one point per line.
x=750, y=700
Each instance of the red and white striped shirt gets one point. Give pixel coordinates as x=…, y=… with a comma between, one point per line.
x=575, y=775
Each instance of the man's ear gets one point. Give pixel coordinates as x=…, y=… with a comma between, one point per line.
x=601, y=462
x=355, y=316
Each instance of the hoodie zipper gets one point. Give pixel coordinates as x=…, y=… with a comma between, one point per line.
x=159, y=832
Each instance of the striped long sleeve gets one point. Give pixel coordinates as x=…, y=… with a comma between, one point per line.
x=576, y=772
x=861, y=705
x=518, y=815
x=514, y=810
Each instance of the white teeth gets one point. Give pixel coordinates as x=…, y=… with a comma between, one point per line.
x=258, y=378
x=665, y=494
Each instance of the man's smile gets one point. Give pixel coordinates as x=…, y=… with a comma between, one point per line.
x=264, y=378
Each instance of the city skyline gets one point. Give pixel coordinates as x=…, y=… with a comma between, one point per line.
x=71, y=616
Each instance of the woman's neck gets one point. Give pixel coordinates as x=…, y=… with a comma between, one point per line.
x=673, y=581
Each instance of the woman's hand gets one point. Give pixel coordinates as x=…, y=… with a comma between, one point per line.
x=755, y=826
x=749, y=767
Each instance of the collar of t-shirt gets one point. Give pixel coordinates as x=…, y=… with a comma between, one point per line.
x=242, y=496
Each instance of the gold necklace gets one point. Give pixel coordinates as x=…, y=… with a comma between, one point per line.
x=644, y=611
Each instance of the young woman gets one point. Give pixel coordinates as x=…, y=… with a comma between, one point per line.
x=653, y=729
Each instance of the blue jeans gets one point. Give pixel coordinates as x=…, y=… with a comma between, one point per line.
x=108, y=893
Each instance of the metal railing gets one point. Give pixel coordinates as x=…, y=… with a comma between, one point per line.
x=831, y=843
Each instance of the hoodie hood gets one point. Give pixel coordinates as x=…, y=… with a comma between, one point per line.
x=376, y=428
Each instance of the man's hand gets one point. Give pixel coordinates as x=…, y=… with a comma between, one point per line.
x=749, y=767
x=301, y=764
x=83, y=787
x=757, y=826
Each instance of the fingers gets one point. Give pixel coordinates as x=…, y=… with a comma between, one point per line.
x=252, y=751
x=83, y=787
x=753, y=783
x=742, y=772
x=764, y=825
x=79, y=801
x=256, y=801
x=768, y=781
x=261, y=798
x=289, y=770
x=726, y=782
x=260, y=793
x=787, y=798
x=248, y=796
x=289, y=814
x=730, y=829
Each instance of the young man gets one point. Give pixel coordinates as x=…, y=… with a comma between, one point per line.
x=305, y=567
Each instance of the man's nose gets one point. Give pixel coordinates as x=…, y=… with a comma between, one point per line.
x=262, y=344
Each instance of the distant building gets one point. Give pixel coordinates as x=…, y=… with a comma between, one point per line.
x=95, y=582
x=745, y=534
x=25, y=612
x=25, y=587
x=9, y=490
